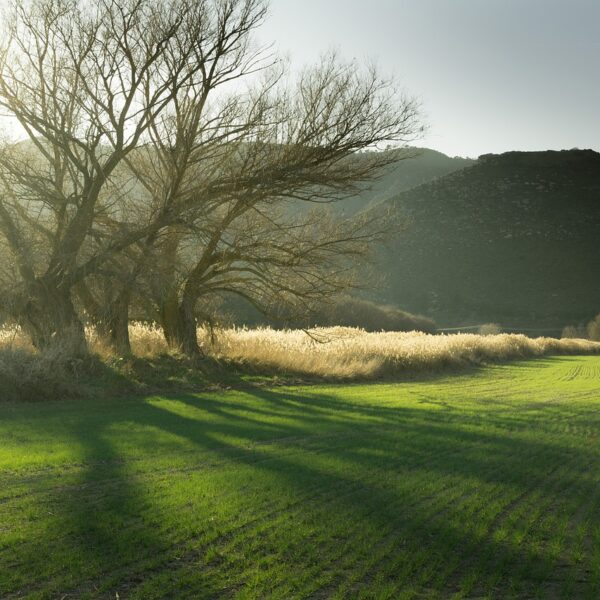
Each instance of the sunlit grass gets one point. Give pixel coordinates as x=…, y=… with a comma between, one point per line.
x=485, y=484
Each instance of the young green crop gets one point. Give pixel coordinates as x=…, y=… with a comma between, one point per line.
x=485, y=484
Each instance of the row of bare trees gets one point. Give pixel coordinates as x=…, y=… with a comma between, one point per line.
x=163, y=160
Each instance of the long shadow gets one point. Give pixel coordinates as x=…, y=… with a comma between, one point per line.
x=489, y=466
x=108, y=497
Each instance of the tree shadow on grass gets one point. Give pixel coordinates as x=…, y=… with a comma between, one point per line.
x=344, y=461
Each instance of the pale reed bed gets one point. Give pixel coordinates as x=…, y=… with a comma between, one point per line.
x=337, y=353
x=344, y=353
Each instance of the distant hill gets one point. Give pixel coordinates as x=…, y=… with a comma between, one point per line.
x=421, y=165
x=513, y=238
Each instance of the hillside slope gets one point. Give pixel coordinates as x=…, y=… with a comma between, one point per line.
x=513, y=239
x=420, y=166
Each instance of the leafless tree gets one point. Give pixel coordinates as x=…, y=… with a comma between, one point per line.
x=251, y=236
x=165, y=150
x=87, y=82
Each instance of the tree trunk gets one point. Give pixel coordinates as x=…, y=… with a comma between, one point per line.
x=113, y=326
x=119, y=327
x=190, y=344
x=48, y=316
x=111, y=322
x=179, y=325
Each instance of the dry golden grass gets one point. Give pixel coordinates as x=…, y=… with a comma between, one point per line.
x=345, y=353
x=29, y=375
x=334, y=353
x=348, y=353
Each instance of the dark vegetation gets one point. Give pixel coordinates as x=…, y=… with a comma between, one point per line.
x=355, y=312
x=512, y=239
x=345, y=310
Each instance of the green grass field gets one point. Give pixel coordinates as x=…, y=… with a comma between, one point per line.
x=484, y=484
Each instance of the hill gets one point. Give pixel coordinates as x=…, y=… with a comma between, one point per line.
x=512, y=239
x=420, y=166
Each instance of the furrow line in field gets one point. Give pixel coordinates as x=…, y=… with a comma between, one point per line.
x=271, y=526
x=570, y=570
x=440, y=504
x=225, y=455
x=422, y=554
x=425, y=458
x=518, y=520
x=151, y=562
x=384, y=547
x=375, y=474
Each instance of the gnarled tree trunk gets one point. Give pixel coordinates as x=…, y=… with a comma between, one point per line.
x=178, y=322
x=110, y=319
x=48, y=316
x=114, y=327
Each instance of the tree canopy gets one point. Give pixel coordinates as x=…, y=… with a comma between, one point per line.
x=167, y=159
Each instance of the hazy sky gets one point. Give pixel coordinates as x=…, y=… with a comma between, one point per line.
x=493, y=75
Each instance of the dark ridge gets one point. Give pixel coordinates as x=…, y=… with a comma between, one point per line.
x=512, y=238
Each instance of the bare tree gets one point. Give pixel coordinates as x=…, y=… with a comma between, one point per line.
x=250, y=237
x=147, y=160
x=87, y=83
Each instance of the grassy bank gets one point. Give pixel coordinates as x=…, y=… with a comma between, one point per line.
x=236, y=357
x=477, y=485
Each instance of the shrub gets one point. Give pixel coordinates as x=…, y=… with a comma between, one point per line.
x=31, y=377
x=593, y=329
x=490, y=329
x=590, y=332
x=572, y=332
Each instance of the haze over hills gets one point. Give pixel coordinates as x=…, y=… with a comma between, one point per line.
x=421, y=166
x=511, y=239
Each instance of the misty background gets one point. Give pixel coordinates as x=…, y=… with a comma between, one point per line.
x=492, y=76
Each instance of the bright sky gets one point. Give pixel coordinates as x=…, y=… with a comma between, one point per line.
x=493, y=75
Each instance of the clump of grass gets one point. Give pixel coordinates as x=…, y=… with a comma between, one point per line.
x=12, y=338
x=147, y=341
x=32, y=376
x=593, y=329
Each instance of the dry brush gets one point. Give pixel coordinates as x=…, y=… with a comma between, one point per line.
x=333, y=354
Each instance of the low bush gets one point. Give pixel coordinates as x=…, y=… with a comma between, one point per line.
x=29, y=376
x=593, y=329
x=489, y=329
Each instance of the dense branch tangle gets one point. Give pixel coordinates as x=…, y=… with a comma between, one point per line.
x=166, y=154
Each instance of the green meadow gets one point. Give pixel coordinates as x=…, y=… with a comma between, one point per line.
x=484, y=484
